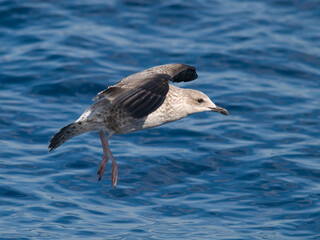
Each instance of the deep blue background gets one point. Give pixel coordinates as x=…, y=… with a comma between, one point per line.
x=252, y=175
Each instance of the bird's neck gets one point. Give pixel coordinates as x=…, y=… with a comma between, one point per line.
x=172, y=109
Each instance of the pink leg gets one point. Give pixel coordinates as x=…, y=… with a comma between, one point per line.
x=114, y=165
x=105, y=158
x=103, y=164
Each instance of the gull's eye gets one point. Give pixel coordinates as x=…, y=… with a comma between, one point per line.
x=200, y=100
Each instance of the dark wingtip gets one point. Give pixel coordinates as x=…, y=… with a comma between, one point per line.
x=186, y=75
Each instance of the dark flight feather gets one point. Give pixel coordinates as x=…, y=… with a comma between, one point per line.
x=142, y=93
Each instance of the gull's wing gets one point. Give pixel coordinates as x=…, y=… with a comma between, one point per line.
x=177, y=71
x=142, y=96
x=143, y=92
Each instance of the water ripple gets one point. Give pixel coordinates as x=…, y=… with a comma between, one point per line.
x=253, y=175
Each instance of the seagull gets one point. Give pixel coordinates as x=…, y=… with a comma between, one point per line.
x=140, y=101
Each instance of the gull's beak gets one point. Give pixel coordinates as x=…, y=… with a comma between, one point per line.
x=220, y=110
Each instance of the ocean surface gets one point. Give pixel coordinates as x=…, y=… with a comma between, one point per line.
x=252, y=175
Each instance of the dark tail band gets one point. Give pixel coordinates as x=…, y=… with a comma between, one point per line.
x=65, y=134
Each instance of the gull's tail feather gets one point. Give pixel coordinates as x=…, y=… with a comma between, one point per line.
x=65, y=134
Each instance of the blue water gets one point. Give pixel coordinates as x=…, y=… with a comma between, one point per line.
x=252, y=175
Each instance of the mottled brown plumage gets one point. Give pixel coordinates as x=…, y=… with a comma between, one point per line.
x=139, y=101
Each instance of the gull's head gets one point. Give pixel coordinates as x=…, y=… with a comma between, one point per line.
x=199, y=102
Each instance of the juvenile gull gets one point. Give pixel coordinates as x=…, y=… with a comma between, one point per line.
x=140, y=101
